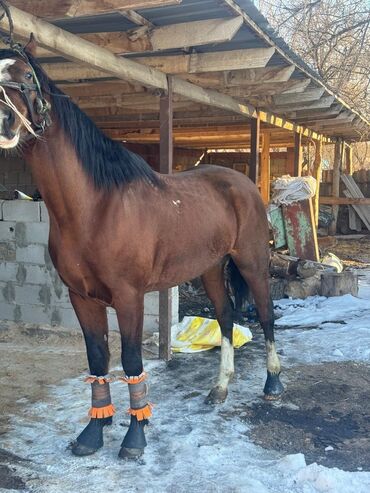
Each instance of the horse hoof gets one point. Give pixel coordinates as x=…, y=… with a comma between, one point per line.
x=216, y=396
x=82, y=450
x=130, y=453
x=273, y=389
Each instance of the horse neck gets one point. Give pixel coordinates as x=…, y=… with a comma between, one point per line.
x=66, y=189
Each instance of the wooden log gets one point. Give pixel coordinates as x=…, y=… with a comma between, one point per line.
x=338, y=284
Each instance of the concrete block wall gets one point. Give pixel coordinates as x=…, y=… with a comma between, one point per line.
x=31, y=290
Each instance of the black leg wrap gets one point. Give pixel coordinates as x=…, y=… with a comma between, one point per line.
x=134, y=442
x=273, y=387
x=91, y=438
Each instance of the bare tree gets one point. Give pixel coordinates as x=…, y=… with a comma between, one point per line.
x=333, y=37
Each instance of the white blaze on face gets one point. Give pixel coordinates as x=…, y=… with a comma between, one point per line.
x=227, y=363
x=4, y=75
x=273, y=363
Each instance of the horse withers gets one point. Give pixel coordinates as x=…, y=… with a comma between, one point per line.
x=119, y=230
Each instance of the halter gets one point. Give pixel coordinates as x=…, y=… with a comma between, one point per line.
x=42, y=106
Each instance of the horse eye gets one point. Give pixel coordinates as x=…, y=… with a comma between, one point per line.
x=28, y=75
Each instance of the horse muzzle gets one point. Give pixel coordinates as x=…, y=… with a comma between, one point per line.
x=9, y=138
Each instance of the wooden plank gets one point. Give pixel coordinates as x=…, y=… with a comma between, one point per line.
x=265, y=168
x=300, y=230
x=344, y=200
x=230, y=60
x=358, y=210
x=255, y=149
x=354, y=190
x=174, y=64
x=324, y=102
x=297, y=155
x=309, y=95
x=136, y=18
x=195, y=33
x=299, y=86
x=166, y=162
x=55, y=9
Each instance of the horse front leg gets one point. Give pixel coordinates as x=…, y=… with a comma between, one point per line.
x=130, y=313
x=93, y=319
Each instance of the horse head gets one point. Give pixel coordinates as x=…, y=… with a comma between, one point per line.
x=24, y=113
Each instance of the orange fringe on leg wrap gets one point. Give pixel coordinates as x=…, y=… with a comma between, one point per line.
x=133, y=380
x=102, y=412
x=100, y=380
x=143, y=413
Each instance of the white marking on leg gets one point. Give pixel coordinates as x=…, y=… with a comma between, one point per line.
x=273, y=362
x=227, y=363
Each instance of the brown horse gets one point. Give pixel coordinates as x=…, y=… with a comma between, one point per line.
x=119, y=230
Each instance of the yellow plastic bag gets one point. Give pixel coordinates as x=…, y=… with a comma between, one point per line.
x=194, y=334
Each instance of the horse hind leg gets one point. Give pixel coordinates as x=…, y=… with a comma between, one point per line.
x=213, y=281
x=258, y=282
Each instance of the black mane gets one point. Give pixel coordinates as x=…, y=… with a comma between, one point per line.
x=108, y=162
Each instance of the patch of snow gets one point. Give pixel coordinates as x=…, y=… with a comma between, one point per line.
x=332, y=323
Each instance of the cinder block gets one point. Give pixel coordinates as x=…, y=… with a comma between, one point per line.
x=21, y=210
x=37, y=274
x=7, y=292
x=28, y=294
x=36, y=233
x=8, y=271
x=35, y=314
x=32, y=254
x=44, y=212
x=7, y=230
x=7, y=311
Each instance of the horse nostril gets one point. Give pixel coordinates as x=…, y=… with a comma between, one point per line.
x=9, y=116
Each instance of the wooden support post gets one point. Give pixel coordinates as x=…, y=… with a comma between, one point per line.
x=349, y=160
x=255, y=147
x=165, y=166
x=265, y=168
x=290, y=161
x=297, y=154
x=336, y=183
x=317, y=175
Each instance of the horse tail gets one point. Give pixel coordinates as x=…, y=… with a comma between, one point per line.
x=238, y=289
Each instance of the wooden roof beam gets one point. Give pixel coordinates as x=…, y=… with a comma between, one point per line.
x=178, y=64
x=56, y=9
x=307, y=96
x=324, y=102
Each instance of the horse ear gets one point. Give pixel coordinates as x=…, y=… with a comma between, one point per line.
x=31, y=46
